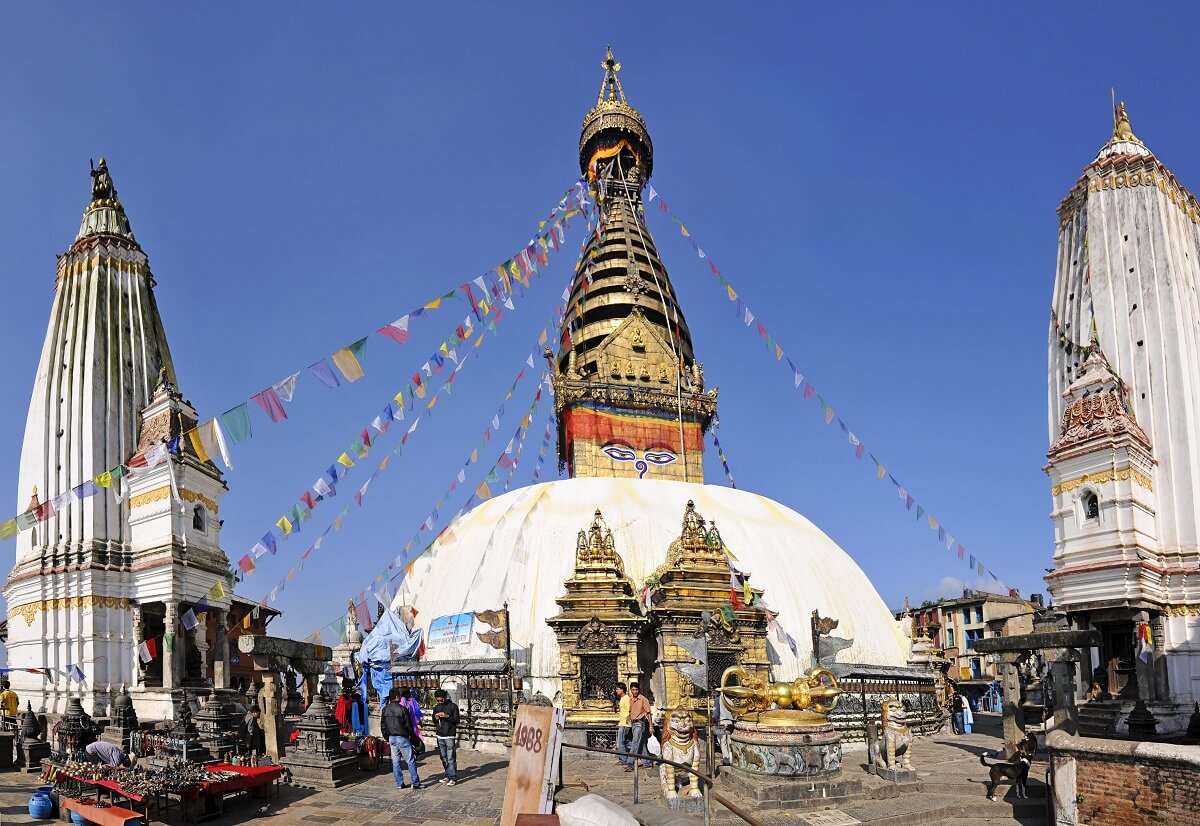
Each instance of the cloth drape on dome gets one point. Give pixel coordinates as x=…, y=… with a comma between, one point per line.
x=376, y=655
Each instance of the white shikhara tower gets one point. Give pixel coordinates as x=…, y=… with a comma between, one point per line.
x=1127, y=502
x=104, y=572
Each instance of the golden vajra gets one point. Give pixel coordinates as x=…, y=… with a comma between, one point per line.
x=813, y=695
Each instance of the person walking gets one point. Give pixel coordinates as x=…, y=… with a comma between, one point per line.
x=395, y=723
x=957, y=715
x=640, y=717
x=446, y=716
x=623, y=733
x=968, y=718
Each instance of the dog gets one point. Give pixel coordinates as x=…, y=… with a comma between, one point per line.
x=1016, y=768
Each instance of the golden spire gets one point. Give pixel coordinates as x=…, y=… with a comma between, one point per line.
x=1121, y=128
x=611, y=83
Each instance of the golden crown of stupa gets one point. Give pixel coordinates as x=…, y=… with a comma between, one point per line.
x=612, y=119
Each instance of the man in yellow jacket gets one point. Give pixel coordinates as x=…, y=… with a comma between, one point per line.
x=10, y=704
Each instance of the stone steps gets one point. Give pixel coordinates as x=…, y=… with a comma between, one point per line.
x=1098, y=720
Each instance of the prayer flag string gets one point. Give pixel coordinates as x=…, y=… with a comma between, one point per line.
x=752, y=322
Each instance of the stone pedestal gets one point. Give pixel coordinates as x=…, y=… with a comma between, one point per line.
x=319, y=760
x=124, y=722
x=787, y=759
x=6, y=750
x=31, y=749
x=216, y=727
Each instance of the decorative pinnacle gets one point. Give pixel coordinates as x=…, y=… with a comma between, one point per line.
x=1121, y=128
x=612, y=83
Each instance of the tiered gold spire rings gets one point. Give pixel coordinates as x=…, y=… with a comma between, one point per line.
x=611, y=84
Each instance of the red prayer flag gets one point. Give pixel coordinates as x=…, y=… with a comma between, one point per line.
x=309, y=500
x=733, y=597
x=395, y=333
x=246, y=564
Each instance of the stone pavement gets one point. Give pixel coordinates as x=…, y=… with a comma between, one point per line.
x=949, y=790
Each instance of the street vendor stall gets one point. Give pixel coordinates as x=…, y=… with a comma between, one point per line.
x=200, y=790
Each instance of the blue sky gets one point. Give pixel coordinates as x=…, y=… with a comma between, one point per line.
x=879, y=187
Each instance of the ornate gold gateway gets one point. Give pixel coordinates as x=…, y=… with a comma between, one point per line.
x=807, y=699
x=597, y=630
x=694, y=583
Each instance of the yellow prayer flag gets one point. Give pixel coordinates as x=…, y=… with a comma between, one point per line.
x=432, y=402
x=246, y=621
x=198, y=445
x=433, y=305
x=747, y=594
x=348, y=364
x=291, y=573
x=881, y=472
x=104, y=480
x=684, y=232
x=828, y=414
x=483, y=491
x=778, y=352
x=345, y=461
x=478, y=341
x=421, y=391
x=407, y=545
x=508, y=395
x=384, y=463
x=217, y=591
x=525, y=422
x=284, y=525
x=474, y=455
x=542, y=337
x=732, y=294
x=399, y=398
x=932, y=523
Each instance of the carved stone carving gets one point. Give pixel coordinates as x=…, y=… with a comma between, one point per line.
x=596, y=636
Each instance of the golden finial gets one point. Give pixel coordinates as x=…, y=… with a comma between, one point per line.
x=611, y=84
x=1121, y=128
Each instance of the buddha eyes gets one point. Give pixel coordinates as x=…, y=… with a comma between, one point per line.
x=659, y=457
x=621, y=454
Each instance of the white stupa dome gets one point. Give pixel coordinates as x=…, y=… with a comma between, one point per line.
x=520, y=548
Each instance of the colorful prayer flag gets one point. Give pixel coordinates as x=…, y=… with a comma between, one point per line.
x=237, y=423
x=348, y=359
x=397, y=331
x=269, y=401
x=324, y=372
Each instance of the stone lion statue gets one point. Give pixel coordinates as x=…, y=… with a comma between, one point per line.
x=682, y=745
x=894, y=747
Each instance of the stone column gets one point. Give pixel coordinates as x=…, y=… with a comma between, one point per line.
x=1062, y=674
x=310, y=688
x=1144, y=671
x=272, y=717
x=138, y=666
x=221, y=650
x=173, y=649
x=1014, y=717
x=201, y=637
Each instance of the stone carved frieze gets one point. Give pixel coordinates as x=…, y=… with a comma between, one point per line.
x=596, y=636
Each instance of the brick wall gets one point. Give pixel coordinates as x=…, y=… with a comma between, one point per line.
x=1121, y=783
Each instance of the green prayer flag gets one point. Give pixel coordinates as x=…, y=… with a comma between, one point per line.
x=237, y=423
x=8, y=529
x=359, y=349
x=119, y=471
x=169, y=641
x=493, y=476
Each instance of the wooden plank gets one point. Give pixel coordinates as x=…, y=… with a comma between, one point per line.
x=532, y=763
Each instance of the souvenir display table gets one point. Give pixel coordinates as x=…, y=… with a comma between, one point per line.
x=200, y=789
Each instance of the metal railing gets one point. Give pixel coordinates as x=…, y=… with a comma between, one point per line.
x=705, y=782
